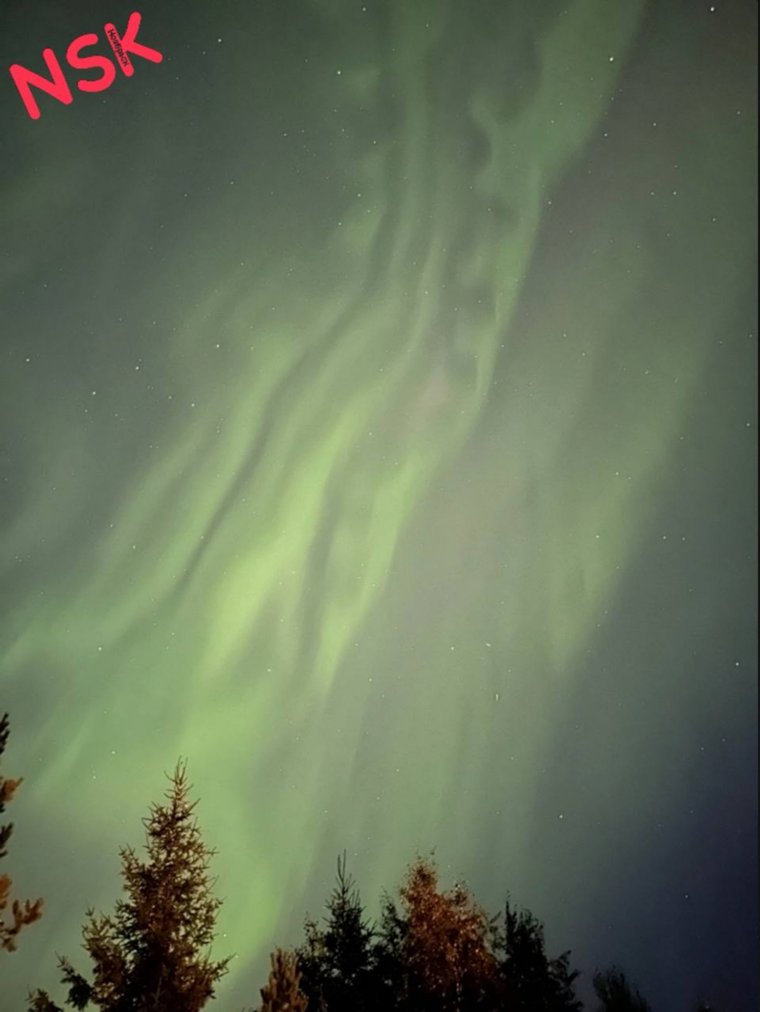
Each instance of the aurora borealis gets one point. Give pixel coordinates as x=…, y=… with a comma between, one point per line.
x=378, y=430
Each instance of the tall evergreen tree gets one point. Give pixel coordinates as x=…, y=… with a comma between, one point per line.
x=152, y=954
x=336, y=959
x=22, y=912
x=533, y=982
x=616, y=993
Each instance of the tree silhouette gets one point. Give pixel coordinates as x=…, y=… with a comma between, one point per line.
x=149, y=956
x=449, y=962
x=533, y=982
x=23, y=912
x=432, y=951
x=390, y=977
x=336, y=960
x=616, y=993
x=282, y=993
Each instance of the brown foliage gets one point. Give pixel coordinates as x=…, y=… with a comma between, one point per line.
x=152, y=954
x=22, y=912
x=447, y=939
x=281, y=993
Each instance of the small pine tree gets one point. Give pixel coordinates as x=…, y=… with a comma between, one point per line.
x=616, y=993
x=23, y=912
x=149, y=956
x=282, y=993
x=336, y=961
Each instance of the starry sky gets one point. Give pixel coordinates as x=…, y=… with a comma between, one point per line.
x=378, y=431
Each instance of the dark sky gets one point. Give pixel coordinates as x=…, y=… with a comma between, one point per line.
x=378, y=430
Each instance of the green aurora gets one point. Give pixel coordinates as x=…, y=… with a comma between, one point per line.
x=336, y=448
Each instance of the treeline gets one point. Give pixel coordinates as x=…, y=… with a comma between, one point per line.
x=430, y=951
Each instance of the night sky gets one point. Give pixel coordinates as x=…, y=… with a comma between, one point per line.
x=378, y=431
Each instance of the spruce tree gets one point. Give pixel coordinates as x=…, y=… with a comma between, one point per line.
x=533, y=982
x=22, y=912
x=152, y=954
x=336, y=960
x=390, y=977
